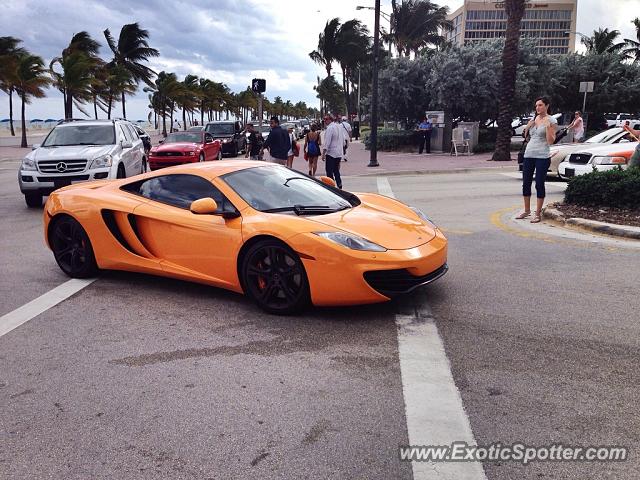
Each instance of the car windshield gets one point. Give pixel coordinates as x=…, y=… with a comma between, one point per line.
x=67, y=135
x=189, y=137
x=220, y=128
x=264, y=128
x=604, y=137
x=275, y=188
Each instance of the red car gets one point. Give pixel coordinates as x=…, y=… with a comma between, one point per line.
x=185, y=147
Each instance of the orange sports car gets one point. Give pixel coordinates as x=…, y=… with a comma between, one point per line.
x=285, y=239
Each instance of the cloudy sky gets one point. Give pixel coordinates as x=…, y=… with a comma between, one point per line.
x=225, y=40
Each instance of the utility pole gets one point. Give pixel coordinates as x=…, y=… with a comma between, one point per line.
x=373, y=161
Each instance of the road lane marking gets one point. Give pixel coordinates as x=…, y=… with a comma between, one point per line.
x=41, y=304
x=433, y=405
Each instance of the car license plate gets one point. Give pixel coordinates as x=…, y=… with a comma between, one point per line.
x=569, y=172
x=61, y=182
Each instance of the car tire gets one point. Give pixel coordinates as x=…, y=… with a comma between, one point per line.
x=201, y=157
x=219, y=157
x=121, y=172
x=33, y=200
x=274, y=277
x=72, y=248
x=234, y=153
x=144, y=168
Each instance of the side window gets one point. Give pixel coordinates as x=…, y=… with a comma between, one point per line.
x=179, y=190
x=123, y=134
x=132, y=130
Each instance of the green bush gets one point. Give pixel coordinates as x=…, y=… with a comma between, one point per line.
x=392, y=140
x=614, y=188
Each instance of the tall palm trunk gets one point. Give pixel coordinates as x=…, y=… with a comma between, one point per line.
x=23, y=144
x=109, y=107
x=124, y=110
x=95, y=106
x=515, y=11
x=68, y=106
x=184, y=119
x=13, y=132
x=164, y=124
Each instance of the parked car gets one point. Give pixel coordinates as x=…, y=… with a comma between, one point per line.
x=559, y=152
x=297, y=128
x=618, y=119
x=81, y=150
x=196, y=128
x=599, y=157
x=185, y=147
x=231, y=134
x=306, y=126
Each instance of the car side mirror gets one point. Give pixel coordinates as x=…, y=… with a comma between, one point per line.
x=34, y=146
x=204, y=206
x=328, y=181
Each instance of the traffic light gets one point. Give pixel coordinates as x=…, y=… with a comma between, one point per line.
x=258, y=85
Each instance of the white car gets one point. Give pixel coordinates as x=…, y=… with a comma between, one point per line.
x=600, y=157
x=560, y=151
x=618, y=119
x=80, y=150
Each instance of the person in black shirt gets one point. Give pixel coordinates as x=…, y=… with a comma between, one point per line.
x=277, y=142
x=255, y=143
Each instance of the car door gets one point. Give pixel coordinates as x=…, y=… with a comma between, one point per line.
x=210, y=150
x=189, y=245
x=127, y=157
x=138, y=147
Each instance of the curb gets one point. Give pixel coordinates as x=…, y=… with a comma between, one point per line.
x=593, y=225
x=430, y=172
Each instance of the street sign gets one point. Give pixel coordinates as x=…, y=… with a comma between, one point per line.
x=586, y=87
x=258, y=85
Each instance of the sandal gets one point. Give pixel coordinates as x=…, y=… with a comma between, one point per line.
x=536, y=218
x=523, y=215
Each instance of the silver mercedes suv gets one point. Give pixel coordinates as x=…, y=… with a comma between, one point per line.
x=80, y=150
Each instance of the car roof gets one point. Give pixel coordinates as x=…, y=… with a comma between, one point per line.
x=87, y=122
x=222, y=121
x=215, y=169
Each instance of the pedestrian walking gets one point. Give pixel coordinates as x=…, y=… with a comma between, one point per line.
x=356, y=129
x=634, y=161
x=346, y=136
x=277, y=142
x=577, y=127
x=537, y=157
x=294, y=146
x=425, y=128
x=312, y=148
x=176, y=125
x=255, y=143
x=332, y=150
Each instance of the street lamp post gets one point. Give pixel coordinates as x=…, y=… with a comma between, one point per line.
x=373, y=161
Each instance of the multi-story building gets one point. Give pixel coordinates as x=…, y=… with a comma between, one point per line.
x=551, y=23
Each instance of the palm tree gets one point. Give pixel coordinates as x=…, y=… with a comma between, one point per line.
x=31, y=79
x=510, y=54
x=9, y=55
x=166, y=89
x=603, y=41
x=117, y=82
x=633, y=46
x=352, y=41
x=327, y=49
x=416, y=24
x=79, y=62
x=188, y=100
x=131, y=50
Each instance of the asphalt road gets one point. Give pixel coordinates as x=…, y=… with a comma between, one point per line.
x=140, y=377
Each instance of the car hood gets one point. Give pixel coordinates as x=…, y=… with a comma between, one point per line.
x=382, y=225
x=172, y=147
x=72, y=152
x=609, y=149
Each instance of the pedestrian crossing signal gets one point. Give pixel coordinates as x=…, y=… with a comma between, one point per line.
x=258, y=85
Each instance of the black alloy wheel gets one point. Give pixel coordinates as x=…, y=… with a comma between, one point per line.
x=274, y=276
x=121, y=172
x=72, y=248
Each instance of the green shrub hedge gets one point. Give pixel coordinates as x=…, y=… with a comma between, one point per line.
x=390, y=140
x=614, y=188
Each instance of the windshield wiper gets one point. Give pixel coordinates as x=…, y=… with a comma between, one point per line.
x=307, y=209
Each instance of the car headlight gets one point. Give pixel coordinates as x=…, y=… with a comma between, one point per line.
x=101, y=161
x=28, y=164
x=613, y=160
x=191, y=154
x=226, y=140
x=354, y=242
x=423, y=216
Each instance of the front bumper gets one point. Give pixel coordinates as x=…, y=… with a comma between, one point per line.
x=34, y=182
x=170, y=161
x=340, y=276
x=568, y=170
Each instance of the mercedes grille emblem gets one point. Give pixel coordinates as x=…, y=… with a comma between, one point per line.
x=61, y=167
